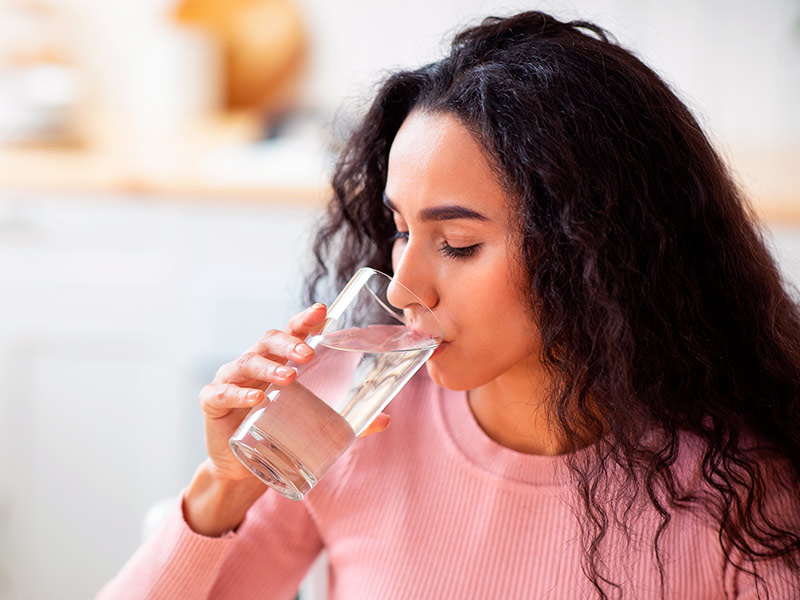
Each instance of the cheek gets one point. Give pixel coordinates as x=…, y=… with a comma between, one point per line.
x=466, y=366
x=495, y=332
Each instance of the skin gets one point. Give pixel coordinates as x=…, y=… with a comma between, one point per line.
x=492, y=343
x=222, y=489
x=463, y=267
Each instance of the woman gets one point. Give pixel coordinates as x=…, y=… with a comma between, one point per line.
x=615, y=411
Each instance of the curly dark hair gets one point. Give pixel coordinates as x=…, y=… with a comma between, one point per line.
x=659, y=306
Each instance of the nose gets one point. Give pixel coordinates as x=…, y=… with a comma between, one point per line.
x=412, y=271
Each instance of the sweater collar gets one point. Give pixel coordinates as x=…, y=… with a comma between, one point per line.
x=472, y=444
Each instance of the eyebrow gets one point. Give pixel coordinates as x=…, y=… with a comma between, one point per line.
x=440, y=213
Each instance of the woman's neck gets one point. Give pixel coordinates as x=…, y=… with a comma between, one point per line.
x=512, y=410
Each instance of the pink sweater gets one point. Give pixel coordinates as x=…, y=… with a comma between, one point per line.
x=431, y=508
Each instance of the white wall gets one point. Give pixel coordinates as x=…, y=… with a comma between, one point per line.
x=736, y=62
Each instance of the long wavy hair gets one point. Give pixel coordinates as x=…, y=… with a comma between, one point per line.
x=659, y=306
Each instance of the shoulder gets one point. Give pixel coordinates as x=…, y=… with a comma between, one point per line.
x=750, y=494
x=746, y=467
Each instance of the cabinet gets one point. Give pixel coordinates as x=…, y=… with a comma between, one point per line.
x=114, y=312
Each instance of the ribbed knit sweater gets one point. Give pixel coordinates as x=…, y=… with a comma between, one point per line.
x=434, y=508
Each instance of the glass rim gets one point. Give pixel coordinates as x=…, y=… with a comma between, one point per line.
x=395, y=311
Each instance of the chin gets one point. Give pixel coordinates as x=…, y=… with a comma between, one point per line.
x=452, y=379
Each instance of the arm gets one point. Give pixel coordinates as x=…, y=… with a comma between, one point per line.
x=267, y=556
x=187, y=556
x=229, y=534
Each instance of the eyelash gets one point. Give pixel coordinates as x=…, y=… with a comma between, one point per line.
x=448, y=250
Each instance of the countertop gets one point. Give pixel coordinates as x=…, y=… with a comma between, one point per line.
x=216, y=159
x=222, y=158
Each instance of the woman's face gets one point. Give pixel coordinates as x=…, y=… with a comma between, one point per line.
x=456, y=249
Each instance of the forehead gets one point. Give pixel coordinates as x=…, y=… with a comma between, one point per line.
x=434, y=159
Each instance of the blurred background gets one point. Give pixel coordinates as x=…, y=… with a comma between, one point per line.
x=162, y=165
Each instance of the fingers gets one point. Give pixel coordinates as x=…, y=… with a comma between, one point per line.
x=250, y=367
x=218, y=399
x=282, y=346
x=265, y=360
x=378, y=424
x=302, y=323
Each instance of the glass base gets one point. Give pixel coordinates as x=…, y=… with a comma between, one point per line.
x=273, y=464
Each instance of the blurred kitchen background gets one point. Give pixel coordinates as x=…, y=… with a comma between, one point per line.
x=162, y=165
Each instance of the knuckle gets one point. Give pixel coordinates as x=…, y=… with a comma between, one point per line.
x=205, y=392
x=295, y=321
x=270, y=336
x=245, y=360
x=208, y=395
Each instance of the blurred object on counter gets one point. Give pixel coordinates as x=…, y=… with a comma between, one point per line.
x=39, y=80
x=150, y=112
x=169, y=77
x=294, y=154
x=265, y=48
x=149, y=80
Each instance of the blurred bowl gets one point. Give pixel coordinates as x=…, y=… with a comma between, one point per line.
x=265, y=49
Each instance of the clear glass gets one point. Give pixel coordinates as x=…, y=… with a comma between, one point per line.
x=376, y=335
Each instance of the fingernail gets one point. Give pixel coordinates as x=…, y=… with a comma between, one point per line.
x=253, y=395
x=303, y=350
x=317, y=305
x=284, y=371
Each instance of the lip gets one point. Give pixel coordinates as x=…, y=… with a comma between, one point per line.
x=440, y=348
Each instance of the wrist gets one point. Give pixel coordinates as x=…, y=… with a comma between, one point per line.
x=213, y=506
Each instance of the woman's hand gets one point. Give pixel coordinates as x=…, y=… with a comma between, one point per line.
x=222, y=489
x=240, y=385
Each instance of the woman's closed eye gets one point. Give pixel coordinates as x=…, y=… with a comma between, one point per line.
x=446, y=249
x=459, y=251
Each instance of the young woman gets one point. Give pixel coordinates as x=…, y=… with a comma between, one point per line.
x=615, y=412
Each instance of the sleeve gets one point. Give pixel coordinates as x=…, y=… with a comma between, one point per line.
x=266, y=557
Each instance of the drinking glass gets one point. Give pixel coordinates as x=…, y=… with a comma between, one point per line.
x=375, y=336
